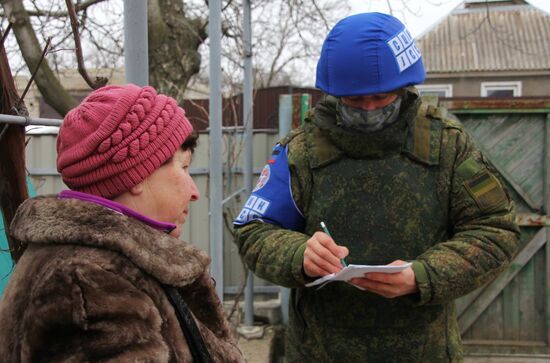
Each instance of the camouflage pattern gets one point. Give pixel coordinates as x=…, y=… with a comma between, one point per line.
x=410, y=192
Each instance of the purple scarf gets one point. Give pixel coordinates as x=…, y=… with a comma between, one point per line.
x=117, y=207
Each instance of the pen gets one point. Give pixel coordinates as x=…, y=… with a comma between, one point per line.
x=324, y=227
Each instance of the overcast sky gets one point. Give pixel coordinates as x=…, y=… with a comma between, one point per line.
x=421, y=15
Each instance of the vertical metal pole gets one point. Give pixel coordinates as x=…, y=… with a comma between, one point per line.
x=305, y=101
x=285, y=124
x=285, y=115
x=248, y=135
x=136, y=62
x=216, y=172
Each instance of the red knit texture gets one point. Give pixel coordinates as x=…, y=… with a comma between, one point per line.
x=117, y=137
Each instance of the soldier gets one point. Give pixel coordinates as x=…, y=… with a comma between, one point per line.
x=394, y=180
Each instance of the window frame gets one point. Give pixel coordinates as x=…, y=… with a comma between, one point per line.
x=515, y=86
x=447, y=88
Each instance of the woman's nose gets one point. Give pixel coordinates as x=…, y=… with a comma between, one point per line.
x=195, y=194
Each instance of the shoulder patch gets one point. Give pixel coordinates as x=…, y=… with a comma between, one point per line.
x=484, y=188
x=469, y=168
x=264, y=177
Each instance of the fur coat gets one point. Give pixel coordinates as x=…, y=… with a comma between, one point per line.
x=87, y=289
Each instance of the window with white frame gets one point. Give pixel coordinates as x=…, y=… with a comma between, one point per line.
x=439, y=90
x=501, y=89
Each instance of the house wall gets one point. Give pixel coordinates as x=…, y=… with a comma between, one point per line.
x=537, y=85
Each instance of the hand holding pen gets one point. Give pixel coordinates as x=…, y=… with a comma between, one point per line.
x=322, y=255
x=324, y=227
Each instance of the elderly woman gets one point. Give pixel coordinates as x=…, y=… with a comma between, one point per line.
x=105, y=277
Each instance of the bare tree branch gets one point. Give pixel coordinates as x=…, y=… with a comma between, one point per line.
x=202, y=109
x=286, y=32
x=229, y=3
x=13, y=188
x=62, y=14
x=49, y=86
x=321, y=15
x=5, y=35
x=28, y=86
x=100, y=81
x=390, y=9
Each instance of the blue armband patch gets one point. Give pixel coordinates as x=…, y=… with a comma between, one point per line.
x=271, y=200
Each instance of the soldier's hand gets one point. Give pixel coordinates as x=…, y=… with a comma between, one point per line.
x=322, y=255
x=389, y=285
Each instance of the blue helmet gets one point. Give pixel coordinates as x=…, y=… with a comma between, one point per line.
x=366, y=54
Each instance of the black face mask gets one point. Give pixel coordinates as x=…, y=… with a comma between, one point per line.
x=367, y=121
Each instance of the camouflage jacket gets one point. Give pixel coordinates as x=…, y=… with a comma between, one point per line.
x=418, y=190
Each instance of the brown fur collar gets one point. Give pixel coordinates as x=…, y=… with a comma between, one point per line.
x=70, y=221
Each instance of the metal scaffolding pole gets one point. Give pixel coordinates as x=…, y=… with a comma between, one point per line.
x=136, y=52
x=26, y=121
x=285, y=125
x=216, y=172
x=248, y=127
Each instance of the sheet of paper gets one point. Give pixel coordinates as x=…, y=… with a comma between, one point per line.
x=351, y=271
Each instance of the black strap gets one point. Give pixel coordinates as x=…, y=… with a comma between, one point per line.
x=188, y=326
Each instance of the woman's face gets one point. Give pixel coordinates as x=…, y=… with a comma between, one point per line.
x=167, y=192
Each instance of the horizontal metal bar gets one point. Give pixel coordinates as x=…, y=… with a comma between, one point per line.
x=198, y=171
x=53, y=171
x=43, y=172
x=193, y=171
x=240, y=130
x=20, y=120
x=37, y=121
x=257, y=289
x=532, y=220
x=235, y=170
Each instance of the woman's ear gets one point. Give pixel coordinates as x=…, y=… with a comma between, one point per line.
x=137, y=189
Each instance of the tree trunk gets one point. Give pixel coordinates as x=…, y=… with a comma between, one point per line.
x=174, y=40
x=13, y=183
x=54, y=94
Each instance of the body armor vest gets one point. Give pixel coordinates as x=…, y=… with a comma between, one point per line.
x=379, y=198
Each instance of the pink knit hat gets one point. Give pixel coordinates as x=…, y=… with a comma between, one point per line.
x=117, y=137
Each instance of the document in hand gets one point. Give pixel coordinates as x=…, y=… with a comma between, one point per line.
x=351, y=271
